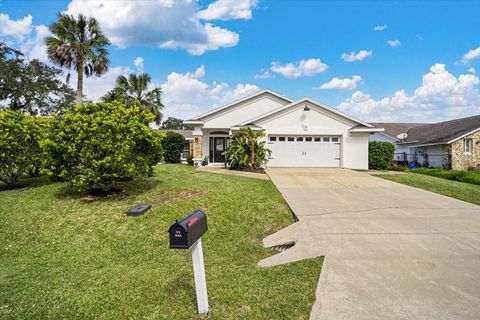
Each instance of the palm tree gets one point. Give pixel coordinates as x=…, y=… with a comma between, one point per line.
x=134, y=91
x=78, y=43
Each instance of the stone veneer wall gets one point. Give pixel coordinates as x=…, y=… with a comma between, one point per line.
x=197, y=147
x=461, y=161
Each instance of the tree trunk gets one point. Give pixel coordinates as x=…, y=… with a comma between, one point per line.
x=79, y=100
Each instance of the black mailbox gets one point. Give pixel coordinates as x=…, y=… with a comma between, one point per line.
x=183, y=234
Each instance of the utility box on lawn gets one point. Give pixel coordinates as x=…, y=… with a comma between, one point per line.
x=184, y=233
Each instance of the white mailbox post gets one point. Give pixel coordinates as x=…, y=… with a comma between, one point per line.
x=200, y=280
x=187, y=234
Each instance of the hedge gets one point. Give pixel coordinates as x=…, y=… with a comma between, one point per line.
x=380, y=155
x=472, y=177
x=173, y=144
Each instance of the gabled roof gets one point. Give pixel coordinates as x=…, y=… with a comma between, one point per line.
x=394, y=129
x=443, y=132
x=230, y=105
x=307, y=101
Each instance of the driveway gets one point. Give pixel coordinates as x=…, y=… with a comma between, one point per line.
x=391, y=251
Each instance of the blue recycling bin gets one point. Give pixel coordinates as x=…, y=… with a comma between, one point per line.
x=411, y=165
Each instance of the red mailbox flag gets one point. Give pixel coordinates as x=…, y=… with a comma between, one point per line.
x=192, y=221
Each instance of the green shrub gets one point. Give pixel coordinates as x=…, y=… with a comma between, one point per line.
x=39, y=131
x=97, y=144
x=20, y=137
x=246, y=151
x=172, y=147
x=472, y=177
x=190, y=160
x=380, y=155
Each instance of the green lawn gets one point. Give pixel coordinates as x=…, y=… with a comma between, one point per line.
x=458, y=190
x=65, y=255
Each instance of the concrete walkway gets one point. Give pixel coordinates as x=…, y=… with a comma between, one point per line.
x=391, y=251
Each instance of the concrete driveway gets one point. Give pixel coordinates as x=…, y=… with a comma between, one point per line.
x=391, y=251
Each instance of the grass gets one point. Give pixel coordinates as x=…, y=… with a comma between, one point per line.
x=456, y=175
x=458, y=190
x=67, y=255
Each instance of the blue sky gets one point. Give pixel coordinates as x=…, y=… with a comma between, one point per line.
x=419, y=65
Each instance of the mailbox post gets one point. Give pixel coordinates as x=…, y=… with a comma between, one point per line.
x=186, y=234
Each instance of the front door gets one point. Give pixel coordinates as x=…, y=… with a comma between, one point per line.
x=217, y=148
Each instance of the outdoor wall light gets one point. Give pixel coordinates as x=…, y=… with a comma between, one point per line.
x=307, y=108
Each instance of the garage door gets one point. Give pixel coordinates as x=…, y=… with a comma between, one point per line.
x=304, y=151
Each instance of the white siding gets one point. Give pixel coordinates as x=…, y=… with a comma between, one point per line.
x=378, y=136
x=355, y=151
x=243, y=112
x=435, y=155
x=296, y=121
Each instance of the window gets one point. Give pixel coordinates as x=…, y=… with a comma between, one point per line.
x=299, y=138
x=308, y=139
x=281, y=138
x=334, y=139
x=318, y=139
x=186, y=150
x=273, y=138
x=326, y=139
x=291, y=139
x=467, y=146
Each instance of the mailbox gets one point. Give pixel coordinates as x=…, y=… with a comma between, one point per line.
x=184, y=233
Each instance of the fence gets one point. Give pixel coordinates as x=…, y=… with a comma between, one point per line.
x=423, y=159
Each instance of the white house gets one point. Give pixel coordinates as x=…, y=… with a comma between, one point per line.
x=301, y=133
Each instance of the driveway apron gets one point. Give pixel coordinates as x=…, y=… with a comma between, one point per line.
x=391, y=251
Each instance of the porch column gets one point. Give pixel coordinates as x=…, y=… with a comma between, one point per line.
x=197, y=145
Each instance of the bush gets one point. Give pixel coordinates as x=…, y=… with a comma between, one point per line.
x=20, y=137
x=472, y=177
x=172, y=147
x=190, y=160
x=97, y=144
x=380, y=155
x=246, y=151
x=39, y=130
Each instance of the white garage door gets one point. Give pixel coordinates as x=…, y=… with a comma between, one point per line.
x=304, y=151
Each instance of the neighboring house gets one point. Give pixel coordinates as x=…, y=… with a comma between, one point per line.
x=301, y=133
x=451, y=144
x=188, y=147
x=402, y=154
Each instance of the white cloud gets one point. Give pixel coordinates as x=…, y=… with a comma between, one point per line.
x=472, y=70
x=302, y=68
x=34, y=46
x=186, y=95
x=393, y=43
x=471, y=55
x=15, y=28
x=380, y=27
x=441, y=96
x=167, y=24
x=228, y=10
x=264, y=74
x=138, y=62
x=346, y=83
x=352, y=56
x=95, y=87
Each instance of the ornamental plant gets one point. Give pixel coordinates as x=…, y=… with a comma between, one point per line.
x=247, y=150
x=20, y=137
x=380, y=154
x=173, y=144
x=97, y=144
